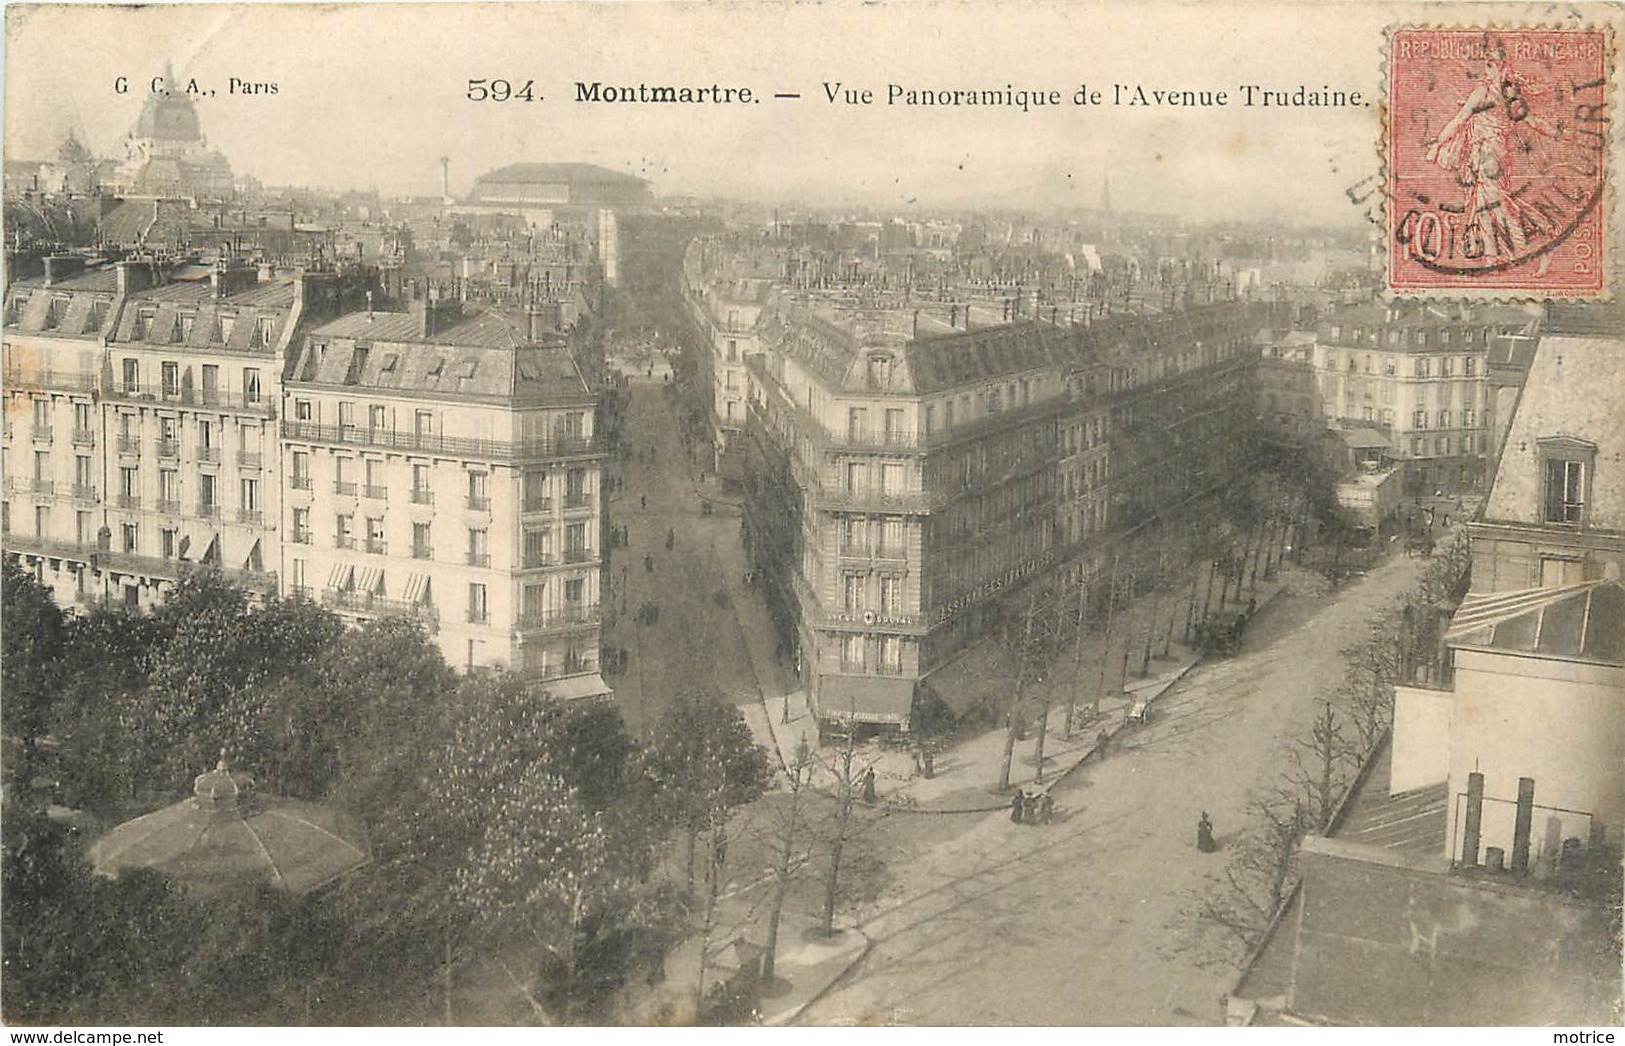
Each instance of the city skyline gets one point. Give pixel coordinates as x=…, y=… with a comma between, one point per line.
x=367, y=123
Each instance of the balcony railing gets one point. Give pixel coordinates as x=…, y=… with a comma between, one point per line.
x=577, y=501
x=129, y=501
x=43, y=486
x=422, y=497
x=538, y=505
x=422, y=552
x=478, y=504
x=300, y=483
x=301, y=537
x=479, y=559
x=376, y=493
x=84, y=437
x=250, y=459
x=367, y=603
x=130, y=445
x=540, y=560
x=169, y=448
x=579, y=555
x=343, y=541
x=537, y=447
x=209, y=454
x=47, y=378
x=208, y=510
x=251, y=516
x=40, y=433
x=169, y=506
x=478, y=616
x=871, y=499
x=83, y=492
x=155, y=393
x=344, y=487
x=378, y=546
x=562, y=617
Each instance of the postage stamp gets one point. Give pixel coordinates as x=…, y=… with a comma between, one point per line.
x=1496, y=162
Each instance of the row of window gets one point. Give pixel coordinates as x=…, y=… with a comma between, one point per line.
x=1467, y=419
x=1421, y=366
x=884, y=536
x=855, y=593
x=129, y=534
x=536, y=545
x=532, y=597
x=536, y=492
x=884, y=652
x=172, y=383
x=146, y=318
x=1419, y=337
x=1442, y=445
x=570, y=425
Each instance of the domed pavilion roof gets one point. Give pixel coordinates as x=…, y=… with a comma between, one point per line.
x=227, y=834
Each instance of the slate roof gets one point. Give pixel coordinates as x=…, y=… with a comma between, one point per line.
x=485, y=355
x=1573, y=390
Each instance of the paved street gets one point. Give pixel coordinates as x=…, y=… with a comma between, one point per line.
x=698, y=639
x=1081, y=922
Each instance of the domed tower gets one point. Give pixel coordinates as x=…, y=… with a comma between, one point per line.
x=166, y=153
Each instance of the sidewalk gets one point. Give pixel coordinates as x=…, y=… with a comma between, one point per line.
x=806, y=965
x=965, y=776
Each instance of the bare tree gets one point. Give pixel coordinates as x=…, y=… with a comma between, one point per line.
x=1320, y=768
x=790, y=859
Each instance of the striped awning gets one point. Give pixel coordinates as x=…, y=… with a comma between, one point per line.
x=1582, y=620
x=340, y=578
x=370, y=581
x=417, y=588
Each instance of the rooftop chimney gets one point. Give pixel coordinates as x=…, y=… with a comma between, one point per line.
x=133, y=276
x=59, y=267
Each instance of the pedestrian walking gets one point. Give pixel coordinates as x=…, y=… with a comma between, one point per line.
x=643, y=501
x=649, y=563
x=671, y=538
x=1046, y=808
x=1017, y=801
x=869, y=786
x=1204, y=835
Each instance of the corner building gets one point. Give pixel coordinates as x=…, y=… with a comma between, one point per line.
x=901, y=487
x=443, y=465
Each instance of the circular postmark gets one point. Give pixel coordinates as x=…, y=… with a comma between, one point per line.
x=1496, y=155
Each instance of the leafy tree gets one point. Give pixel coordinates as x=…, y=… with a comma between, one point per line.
x=705, y=765
x=76, y=947
x=33, y=640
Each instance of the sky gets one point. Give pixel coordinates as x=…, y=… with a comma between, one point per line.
x=372, y=95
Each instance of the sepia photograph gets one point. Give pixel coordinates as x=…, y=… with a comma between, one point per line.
x=769, y=514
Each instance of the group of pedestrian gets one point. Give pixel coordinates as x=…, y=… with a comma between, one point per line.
x=1031, y=807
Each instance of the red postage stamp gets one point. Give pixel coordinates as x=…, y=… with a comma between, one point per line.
x=1496, y=155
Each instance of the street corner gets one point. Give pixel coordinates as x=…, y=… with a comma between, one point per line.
x=809, y=967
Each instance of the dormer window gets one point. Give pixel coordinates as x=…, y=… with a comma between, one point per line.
x=879, y=371
x=1566, y=465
